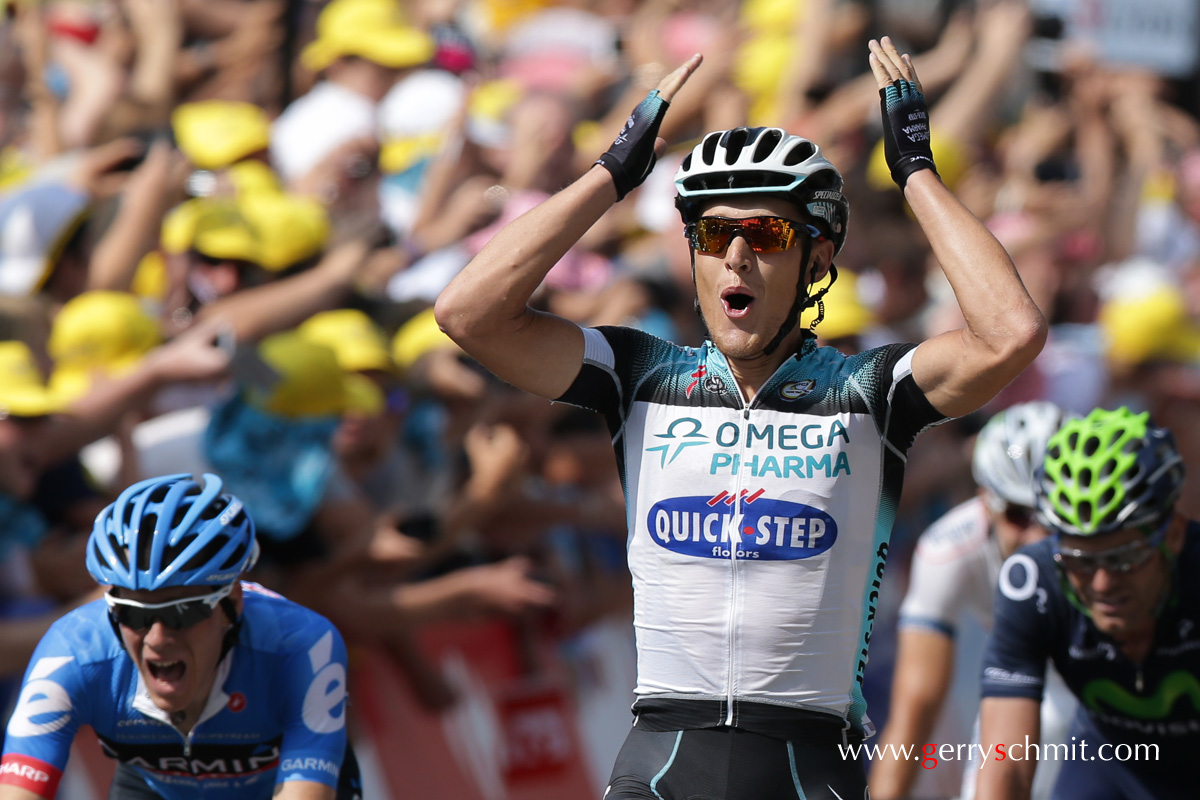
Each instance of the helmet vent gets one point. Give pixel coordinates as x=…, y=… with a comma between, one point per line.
x=767, y=144
x=1085, y=477
x=145, y=540
x=206, y=554
x=159, y=494
x=180, y=512
x=1108, y=496
x=234, y=558
x=801, y=152
x=735, y=141
x=214, y=508
x=687, y=163
x=824, y=180
x=709, y=150
x=1090, y=446
x=1085, y=513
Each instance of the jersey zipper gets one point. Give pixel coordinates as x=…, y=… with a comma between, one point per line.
x=735, y=573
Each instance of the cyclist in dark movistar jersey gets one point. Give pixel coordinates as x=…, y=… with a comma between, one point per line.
x=1103, y=599
x=200, y=685
x=761, y=472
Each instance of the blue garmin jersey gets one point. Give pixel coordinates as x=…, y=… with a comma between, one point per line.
x=277, y=711
x=757, y=532
x=1156, y=702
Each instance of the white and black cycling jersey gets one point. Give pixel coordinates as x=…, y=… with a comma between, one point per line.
x=758, y=531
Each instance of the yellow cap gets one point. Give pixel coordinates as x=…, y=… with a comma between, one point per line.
x=22, y=392
x=373, y=30
x=417, y=337
x=948, y=154
x=845, y=312
x=107, y=332
x=355, y=339
x=311, y=384
x=288, y=229
x=216, y=133
x=250, y=177
x=397, y=155
x=1151, y=327
x=150, y=281
x=213, y=226
x=363, y=396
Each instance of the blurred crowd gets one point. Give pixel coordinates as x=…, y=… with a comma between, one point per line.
x=223, y=224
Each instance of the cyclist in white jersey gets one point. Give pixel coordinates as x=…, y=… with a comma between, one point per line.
x=954, y=573
x=761, y=472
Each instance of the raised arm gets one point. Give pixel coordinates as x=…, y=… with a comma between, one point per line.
x=959, y=370
x=485, y=309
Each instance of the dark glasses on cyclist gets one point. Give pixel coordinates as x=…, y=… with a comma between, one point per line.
x=1125, y=558
x=176, y=615
x=712, y=235
x=1014, y=514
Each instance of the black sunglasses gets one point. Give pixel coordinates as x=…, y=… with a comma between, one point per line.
x=176, y=615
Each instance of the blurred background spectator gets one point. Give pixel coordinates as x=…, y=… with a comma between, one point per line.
x=223, y=222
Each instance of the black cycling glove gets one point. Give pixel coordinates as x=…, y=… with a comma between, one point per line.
x=631, y=156
x=905, y=130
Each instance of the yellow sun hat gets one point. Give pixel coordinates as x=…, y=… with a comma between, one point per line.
x=212, y=226
x=358, y=343
x=288, y=228
x=22, y=391
x=310, y=382
x=217, y=133
x=98, y=332
x=374, y=30
x=1154, y=326
x=418, y=336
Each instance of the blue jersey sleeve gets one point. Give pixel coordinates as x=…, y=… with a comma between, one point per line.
x=1014, y=663
x=314, y=738
x=53, y=703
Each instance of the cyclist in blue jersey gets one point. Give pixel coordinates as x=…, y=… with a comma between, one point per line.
x=761, y=472
x=1104, y=599
x=198, y=684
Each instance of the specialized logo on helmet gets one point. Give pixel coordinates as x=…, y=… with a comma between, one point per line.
x=794, y=390
x=757, y=527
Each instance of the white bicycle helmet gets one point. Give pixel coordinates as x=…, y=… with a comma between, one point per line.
x=763, y=161
x=1011, y=447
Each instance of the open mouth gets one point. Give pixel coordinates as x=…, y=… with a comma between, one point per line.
x=167, y=671
x=736, y=302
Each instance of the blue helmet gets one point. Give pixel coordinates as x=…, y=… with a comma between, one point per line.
x=172, y=531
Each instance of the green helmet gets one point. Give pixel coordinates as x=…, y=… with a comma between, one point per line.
x=1106, y=472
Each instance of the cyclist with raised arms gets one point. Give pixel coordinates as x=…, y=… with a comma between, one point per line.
x=197, y=683
x=955, y=569
x=761, y=472
x=1105, y=600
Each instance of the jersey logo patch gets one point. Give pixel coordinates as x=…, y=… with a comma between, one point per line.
x=747, y=525
x=1103, y=692
x=44, y=706
x=794, y=390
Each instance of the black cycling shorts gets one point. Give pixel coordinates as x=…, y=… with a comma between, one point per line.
x=731, y=764
x=128, y=784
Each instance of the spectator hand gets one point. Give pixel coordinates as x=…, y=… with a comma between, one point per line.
x=506, y=587
x=905, y=114
x=97, y=172
x=194, y=355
